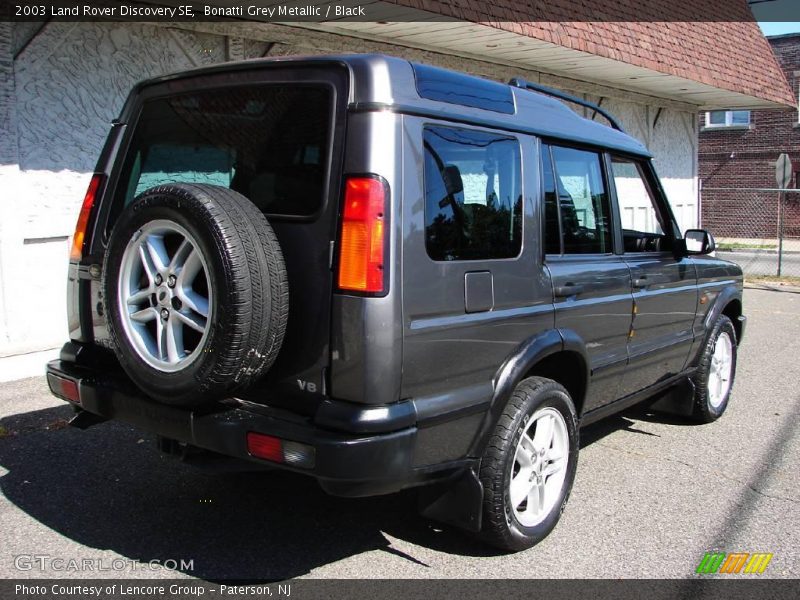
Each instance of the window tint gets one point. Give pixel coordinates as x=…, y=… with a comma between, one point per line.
x=552, y=237
x=584, y=203
x=643, y=225
x=473, y=195
x=269, y=143
x=458, y=88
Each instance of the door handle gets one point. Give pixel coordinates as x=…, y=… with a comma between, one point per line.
x=640, y=282
x=569, y=289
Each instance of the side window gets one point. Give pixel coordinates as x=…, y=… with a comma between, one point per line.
x=643, y=224
x=583, y=200
x=473, y=194
x=552, y=235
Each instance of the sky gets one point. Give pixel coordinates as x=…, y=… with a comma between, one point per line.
x=774, y=15
x=778, y=27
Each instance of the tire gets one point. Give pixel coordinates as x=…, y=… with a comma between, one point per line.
x=713, y=380
x=534, y=401
x=198, y=268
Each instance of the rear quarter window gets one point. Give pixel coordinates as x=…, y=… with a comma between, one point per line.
x=473, y=194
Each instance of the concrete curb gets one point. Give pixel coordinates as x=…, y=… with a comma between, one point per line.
x=772, y=287
x=22, y=366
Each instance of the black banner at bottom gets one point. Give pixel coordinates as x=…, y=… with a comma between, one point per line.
x=313, y=589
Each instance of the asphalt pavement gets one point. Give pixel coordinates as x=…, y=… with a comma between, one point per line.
x=652, y=495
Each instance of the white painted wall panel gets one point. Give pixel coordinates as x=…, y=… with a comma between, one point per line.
x=674, y=146
x=672, y=140
x=70, y=82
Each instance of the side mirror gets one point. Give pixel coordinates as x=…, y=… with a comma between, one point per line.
x=699, y=241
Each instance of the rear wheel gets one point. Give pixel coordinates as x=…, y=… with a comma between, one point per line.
x=529, y=465
x=195, y=292
x=165, y=296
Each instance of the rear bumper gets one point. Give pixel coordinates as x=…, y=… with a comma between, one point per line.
x=347, y=464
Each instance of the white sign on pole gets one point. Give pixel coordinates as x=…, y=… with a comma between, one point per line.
x=783, y=171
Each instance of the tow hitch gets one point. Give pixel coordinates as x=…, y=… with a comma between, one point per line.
x=83, y=419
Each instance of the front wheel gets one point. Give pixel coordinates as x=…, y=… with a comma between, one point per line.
x=713, y=379
x=529, y=465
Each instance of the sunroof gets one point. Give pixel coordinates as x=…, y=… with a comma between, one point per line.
x=457, y=88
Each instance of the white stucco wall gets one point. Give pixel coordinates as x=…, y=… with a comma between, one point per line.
x=672, y=139
x=68, y=84
x=58, y=96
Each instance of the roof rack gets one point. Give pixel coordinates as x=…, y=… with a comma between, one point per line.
x=543, y=89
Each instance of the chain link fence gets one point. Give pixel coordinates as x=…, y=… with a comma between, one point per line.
x=759, y=229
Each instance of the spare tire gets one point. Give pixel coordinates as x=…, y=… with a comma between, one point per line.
x=195, y=293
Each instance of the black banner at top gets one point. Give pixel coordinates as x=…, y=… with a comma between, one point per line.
x=396, y=11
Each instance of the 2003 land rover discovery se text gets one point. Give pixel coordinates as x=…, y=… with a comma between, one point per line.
x=386, y=275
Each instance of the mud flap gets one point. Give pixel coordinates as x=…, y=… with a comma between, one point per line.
x=678, y=400
x=455, y=501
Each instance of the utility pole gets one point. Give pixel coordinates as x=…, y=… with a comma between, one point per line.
x=783, y=176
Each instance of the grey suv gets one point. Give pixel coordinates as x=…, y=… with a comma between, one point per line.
x=386, y=275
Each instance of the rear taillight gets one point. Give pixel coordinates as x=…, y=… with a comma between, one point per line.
x=278, y=450
x=363, y=241
x=83, y=218
x=66, y=389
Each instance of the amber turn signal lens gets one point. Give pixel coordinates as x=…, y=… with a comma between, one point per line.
x=83, y=218
x=363, y=236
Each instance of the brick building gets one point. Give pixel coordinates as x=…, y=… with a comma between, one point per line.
x=654, y=65
x=738, y=149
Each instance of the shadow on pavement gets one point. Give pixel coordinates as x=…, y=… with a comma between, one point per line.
x=627, y=421
x=747, y=503
x=109, y=488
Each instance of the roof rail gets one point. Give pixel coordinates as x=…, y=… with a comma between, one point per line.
x=543, y=89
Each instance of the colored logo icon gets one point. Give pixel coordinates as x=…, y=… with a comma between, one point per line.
x=734, y=563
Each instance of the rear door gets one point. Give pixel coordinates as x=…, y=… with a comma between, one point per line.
x=664, y=287
x=473, y=290
x=275, y=135
x=591, y=284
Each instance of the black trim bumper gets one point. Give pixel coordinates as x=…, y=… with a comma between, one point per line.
x=346, y=463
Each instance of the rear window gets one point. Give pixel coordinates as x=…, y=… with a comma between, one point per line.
x=269, y=143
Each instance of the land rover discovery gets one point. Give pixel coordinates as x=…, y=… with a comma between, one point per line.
x=385, y=275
